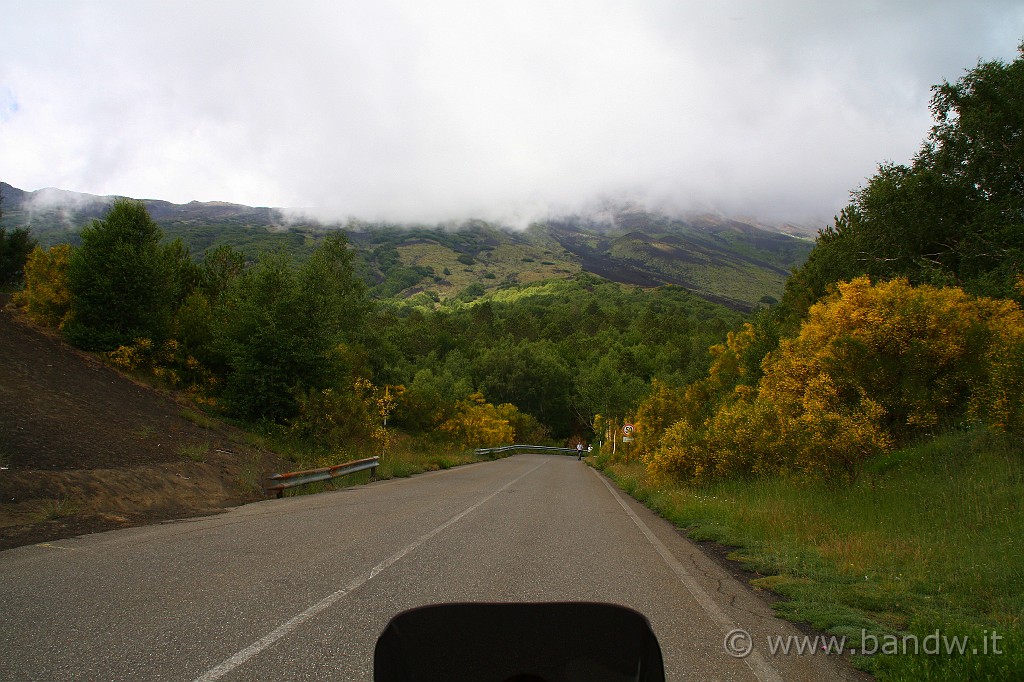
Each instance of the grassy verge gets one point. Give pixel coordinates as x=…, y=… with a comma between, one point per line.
x=928, y=541
x=409, y=456
x=405, y=457
x=198, y=417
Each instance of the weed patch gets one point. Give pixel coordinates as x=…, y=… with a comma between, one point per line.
x=58, y=508
x=194, y=451
x=250, y=478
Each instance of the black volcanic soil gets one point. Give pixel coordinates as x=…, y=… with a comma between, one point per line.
x=85, y=449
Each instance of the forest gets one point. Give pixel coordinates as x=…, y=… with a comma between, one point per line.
x=300, y=345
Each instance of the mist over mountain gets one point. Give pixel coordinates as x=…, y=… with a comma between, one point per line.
x=739, y=262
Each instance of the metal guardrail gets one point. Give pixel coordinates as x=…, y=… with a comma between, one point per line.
x=525, y=448
x=278, y=483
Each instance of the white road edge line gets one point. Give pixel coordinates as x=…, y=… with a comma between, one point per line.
x=761, y=668
x=289, y=625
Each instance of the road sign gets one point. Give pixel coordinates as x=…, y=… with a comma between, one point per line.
x=627, y=429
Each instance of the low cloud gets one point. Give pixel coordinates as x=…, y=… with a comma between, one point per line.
x=413, y=112
x=68, y=206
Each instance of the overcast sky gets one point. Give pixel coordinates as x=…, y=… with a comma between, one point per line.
x=429, y=110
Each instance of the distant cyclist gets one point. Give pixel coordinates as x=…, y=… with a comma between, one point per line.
x=579, y=451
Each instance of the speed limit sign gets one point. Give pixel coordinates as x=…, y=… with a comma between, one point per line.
x=627, y=433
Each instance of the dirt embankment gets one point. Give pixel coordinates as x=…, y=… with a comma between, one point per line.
x=85, y=449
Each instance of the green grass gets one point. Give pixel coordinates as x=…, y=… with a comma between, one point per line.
x=198, y=418
x=146, y=431
x=194, y=451
x=250, y=478
x=504, y=263
x=929, y=538
x=414, y=458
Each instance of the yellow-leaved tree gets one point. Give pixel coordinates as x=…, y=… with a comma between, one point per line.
x=46, y=297
x=663, y=406
x=478, y=423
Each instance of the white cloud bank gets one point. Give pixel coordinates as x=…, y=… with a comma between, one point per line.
x=436, y=110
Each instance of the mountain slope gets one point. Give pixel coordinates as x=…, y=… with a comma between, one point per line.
x=83, y=448
x=728, y=261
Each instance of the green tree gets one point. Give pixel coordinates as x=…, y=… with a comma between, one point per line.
x=195, y=320
x=977, y=146
x=219, y=268
x=955, y=216
x=533, y=377
x=606, y=386
x=262, y=341
x=334, y=298
x=122, y=281
x=434, y=392
x=14, y=249
x=283, y=326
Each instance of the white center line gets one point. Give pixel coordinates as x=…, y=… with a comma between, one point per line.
x=289, y=625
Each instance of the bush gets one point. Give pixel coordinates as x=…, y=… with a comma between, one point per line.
x=330, y=416
x=169, y=362
x=526, y=428
x=872, y=366
x=921, y=353
x=663, y=407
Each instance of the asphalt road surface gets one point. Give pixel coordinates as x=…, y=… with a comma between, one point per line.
x=300, y=588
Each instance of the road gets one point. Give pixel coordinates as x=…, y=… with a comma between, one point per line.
x=299, y=588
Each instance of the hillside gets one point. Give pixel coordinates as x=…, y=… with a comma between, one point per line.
x=726, y=261
x=82, y=448
x=734, y=262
